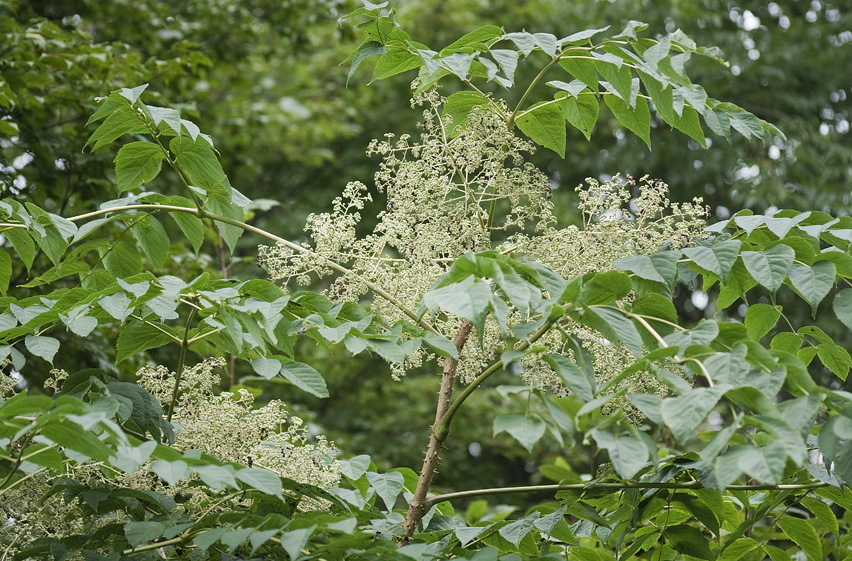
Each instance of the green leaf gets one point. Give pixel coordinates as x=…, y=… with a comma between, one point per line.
x=659, y=267
x=441, y=345
x=581, y=37
x=305, y=377
x=739, y=550
x=355, y=467
x=221, y=201
x=702, y=334
x=581, y=383
x=294, y=541
x=266, y=367
x=387, y=486
x=544, y=124
x=5, y=271
x=468, y=299
x=77, y=438
x=192, y=227
x=842, y=305
x=760, y=319
x=23, y=244
x=459, y=105
x=153, y=239
x=835, y=358
x=117, y=305
x=138, y=533
x=741, y=120
x=122, y=260
x=198, y=161
x=137, y=163
x=481, y=35
x=516, y=531
x=684, y=413
x=718, y=258
x=124, y=120
x=614, y=326
x=363, y=52
x=802, y=534
x=764, y=464
x=23, y=404
x=394, y=61
x=618, y=76
x=823, y=513
x=688, y=540
x=526, y=429
x=649, y=405
x=628, y=454
x=263, y=480
x=686, y=121
x=770, y=267
x=813, y=283
x=604, y=288
x=635, y=119
x=138, y=337
x=576, y=62
x=146, y=412
x=43, y=347
x=582, y=112
x=171, y=472
x=467, y=534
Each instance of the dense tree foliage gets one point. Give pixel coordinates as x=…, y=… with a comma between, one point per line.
x=682, y=388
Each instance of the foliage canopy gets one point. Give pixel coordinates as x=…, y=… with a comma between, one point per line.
x=716, y=439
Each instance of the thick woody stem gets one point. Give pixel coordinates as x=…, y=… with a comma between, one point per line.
x=418, y=506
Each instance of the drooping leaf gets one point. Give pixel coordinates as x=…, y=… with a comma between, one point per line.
x=627, y=453
x=394, y=61
x=363, y=52
x=544, y=124
x=684, y=413
x=263, y=480
x=266, y=367
x=305, y=377
x=138, y=533
x=146, y=413
x=802, y=534
x=516, y=531
x=688, y=540
x=153, y=239
x=835, y=358
x=137, y=163
x=614, y=326
x=41, y=346
x=813, y=283
x=388, y=486
x=770, y=267
x=526, y=429
x=842, y=305
x=459, y=104
x=122, y=260
x=659, y=267
x=760, y=319
x=635, y=119
x=575, y=379
x=582, y=112
x=138, y=337
x=718, y=258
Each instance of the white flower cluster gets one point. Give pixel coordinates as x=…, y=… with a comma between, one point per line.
x=472, y=190
x=228, y=427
